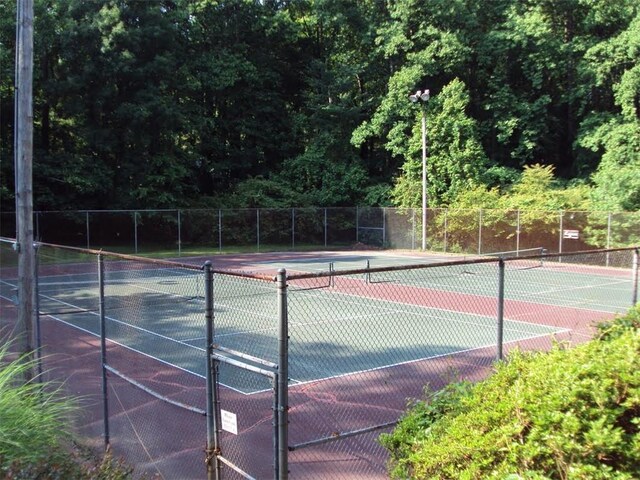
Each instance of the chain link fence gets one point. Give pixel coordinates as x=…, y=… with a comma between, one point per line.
x=185, y=232
x=294, y=375
x=363, y=347
x=126, y=337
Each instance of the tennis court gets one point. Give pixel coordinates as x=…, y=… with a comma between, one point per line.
x=531, y=279
x=158, y=312
x=367, y=330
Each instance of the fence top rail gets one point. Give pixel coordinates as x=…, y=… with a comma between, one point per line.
x=122, y=256
x=251, y=275
x=451, y=210
x=480, y=260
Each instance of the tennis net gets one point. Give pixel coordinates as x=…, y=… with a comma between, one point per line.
x=481, y=265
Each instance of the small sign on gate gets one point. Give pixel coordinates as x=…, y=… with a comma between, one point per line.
x=571, y=234
x=229, y=421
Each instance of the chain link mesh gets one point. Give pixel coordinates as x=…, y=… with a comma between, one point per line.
x=364, y=347
x=469, y=231
x=155, y=354
x=361, y=345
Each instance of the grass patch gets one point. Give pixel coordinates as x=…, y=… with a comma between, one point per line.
x=35, y=439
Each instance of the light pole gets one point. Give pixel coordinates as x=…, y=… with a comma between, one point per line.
x=422, y=97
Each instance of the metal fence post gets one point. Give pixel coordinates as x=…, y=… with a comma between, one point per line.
x=325, y=227
x=357, y=224
x=135, y=231
x=220, y=230
x=479, y=231
x=213, y=422
x=560, y=236
x=283, y=377
x=276, y=426
x=293, y=228
x=413, y=229
x=88, y=231
x=179, y=236
x=384, y=227
x=500, y=308
x=608, y=236
x=446, y=233
x=103, y=351
x=518, y=230
x=258, y=229
x=634, y=283
x=36, y=309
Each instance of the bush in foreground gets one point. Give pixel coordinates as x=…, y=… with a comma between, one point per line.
x=35, y=442
x=566, y=414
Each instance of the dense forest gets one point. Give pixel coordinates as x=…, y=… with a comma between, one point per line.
x=211, y=103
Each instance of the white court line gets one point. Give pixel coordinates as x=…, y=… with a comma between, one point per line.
x=121, y=322
x=555, y=290
x=246, y=332
x=520, y=295
x=115, y=342
x=155, y=290
x=457, y=312
x=407, y=362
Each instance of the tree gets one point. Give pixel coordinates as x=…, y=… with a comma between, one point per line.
x=456, y=160
x=616, y=135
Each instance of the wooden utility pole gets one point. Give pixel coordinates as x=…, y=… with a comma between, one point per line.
x=23, y=131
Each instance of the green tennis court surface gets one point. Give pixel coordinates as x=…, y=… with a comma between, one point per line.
x=163, y=317
x=333, y=332
x=605, y=289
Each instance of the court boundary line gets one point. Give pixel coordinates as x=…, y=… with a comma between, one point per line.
x=495, y=297
x=120, y=322
x=438, y=308
x=431, y=316
x=456, y=352
x=115, y=342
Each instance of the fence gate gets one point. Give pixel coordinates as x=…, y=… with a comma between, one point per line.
x=244, y=415
x=246, y=394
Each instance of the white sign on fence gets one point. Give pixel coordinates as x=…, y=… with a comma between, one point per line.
x=229, y=422
x=571, y=234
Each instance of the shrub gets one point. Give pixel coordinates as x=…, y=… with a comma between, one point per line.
x=566, y=414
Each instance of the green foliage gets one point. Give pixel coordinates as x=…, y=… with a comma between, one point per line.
x=33, y=414
x=455, y=160
x=187, y=103
x=416, y=424
x=533, y=203
x=568, y=413
x=35, y=441
x=614, y=134
x=617, y=183
x=620, y=325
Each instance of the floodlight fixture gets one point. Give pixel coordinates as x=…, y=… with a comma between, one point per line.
x=419, y=96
